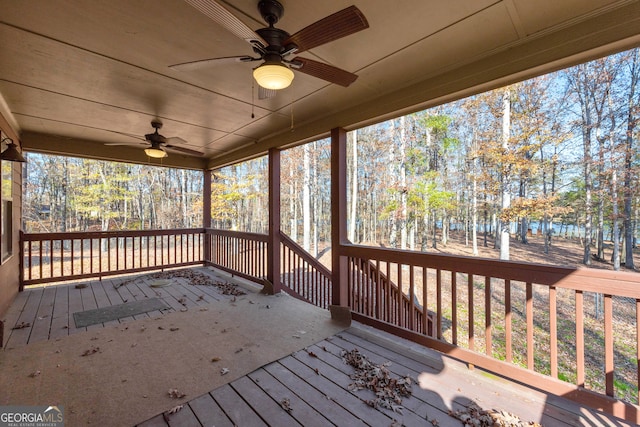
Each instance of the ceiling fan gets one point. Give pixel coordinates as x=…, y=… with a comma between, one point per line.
x=273, y=46
x=158, y=143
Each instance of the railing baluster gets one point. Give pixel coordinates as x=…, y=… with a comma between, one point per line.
x=439, y=303
x=62, y=257
x=400, y=292
x=608, y=345
x=72, y=241
x=553, y=331
x=378, y=285
x=412, y=293
x=487, y=316
x=471, y=317
x=529, y=309
x=425, y=308
x=454, y=308
x=507, y=321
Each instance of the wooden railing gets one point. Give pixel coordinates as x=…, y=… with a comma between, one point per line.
x=53, y=257
x=532, y=323
x=303, y=275
x=372, y=293
x=240, y=253
x=539, y=319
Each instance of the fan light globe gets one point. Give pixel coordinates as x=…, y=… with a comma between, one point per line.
x=273, y=76
x=156, y=153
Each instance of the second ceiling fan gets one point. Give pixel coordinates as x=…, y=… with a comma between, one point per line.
x=274, y=46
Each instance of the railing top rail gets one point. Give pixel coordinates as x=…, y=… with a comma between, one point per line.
x=107, y=234
x=304, y=254
x=619, y=283
x=241, y=234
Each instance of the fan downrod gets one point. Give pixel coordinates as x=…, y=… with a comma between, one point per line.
x=271, y=11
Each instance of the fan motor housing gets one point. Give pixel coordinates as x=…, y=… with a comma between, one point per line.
x=271, y=11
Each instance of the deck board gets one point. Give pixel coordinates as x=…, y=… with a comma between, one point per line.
x=60, y=319
x=75, y=305
x=28, y=316
x=236, y=408
x=318, y=400
x=209, y=412
x=261, y=403
x=303, y=413
x=42, y=323
x=183, y=418
x=338, y=393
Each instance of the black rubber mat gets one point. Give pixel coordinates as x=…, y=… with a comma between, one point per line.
x=115, y=312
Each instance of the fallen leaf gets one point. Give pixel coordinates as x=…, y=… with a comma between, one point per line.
x=224, y=371
x=174, y=329
x=215, y=359
x=175, y=394
x=81, y=286
x=239, y=350
x=312, y=354
x=286, y=405
x=34, y=374
x=175, y=409
x=92, y=350
x=22, y=325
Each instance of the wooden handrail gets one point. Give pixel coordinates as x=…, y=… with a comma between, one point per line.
x=288, y=242
x=302, y=275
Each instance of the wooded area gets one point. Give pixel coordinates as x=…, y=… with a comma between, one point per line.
x=555, y=156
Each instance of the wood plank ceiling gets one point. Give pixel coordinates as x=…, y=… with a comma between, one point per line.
x=75, y=74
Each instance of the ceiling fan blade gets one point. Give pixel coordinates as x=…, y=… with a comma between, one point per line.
x=212, y=62
x=340, y=24
x=184, y=150
x=124, y=143
x=264, y=93
x=219, y=14
x=324, y=71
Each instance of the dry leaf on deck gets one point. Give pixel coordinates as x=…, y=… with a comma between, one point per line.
x=92, y=350
x=224, y=371
x=22, y=325
x=34, y=374
x=175, y=394
x=175, y=409
x=286, y=405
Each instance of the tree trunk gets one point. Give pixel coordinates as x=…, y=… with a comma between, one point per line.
x=306, y=199
x=629, y=153
x=506, y=195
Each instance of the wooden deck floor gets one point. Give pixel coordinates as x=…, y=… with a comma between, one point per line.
x=48, y=311
x=316, y=381
x=318, y=391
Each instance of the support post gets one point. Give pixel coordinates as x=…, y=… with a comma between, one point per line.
x=273, y=245
x=206, y=213
x=339, y=293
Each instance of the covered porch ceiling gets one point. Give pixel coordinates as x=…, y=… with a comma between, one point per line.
x=76, y=74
